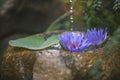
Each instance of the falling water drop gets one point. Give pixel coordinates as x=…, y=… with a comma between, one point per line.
x=71, y=15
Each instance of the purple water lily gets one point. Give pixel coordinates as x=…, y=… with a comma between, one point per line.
x=95, y=37
x=73, y=41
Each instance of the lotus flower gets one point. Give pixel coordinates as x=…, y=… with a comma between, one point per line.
x=73, y=41
x=95, y=37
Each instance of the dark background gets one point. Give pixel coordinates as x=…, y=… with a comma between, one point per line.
x=19, y=18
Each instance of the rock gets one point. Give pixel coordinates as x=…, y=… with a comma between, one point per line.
x=63, y=65
x=15, y=64
x=53, y=64
x=50, y=66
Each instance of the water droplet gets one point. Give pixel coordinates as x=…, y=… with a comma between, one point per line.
x=71, y=21
x=71, y=7
x=71, y=11
x=71, y=29
x=71, y=15
x=71, y=1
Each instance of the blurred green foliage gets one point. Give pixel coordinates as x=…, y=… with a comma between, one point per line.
x=92, y=13
x=101, y=14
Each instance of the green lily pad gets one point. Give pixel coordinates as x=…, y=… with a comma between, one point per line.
x=50, y=41
x=34, y=42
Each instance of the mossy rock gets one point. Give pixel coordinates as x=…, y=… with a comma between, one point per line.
x=52, y=64
x=17, y=64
